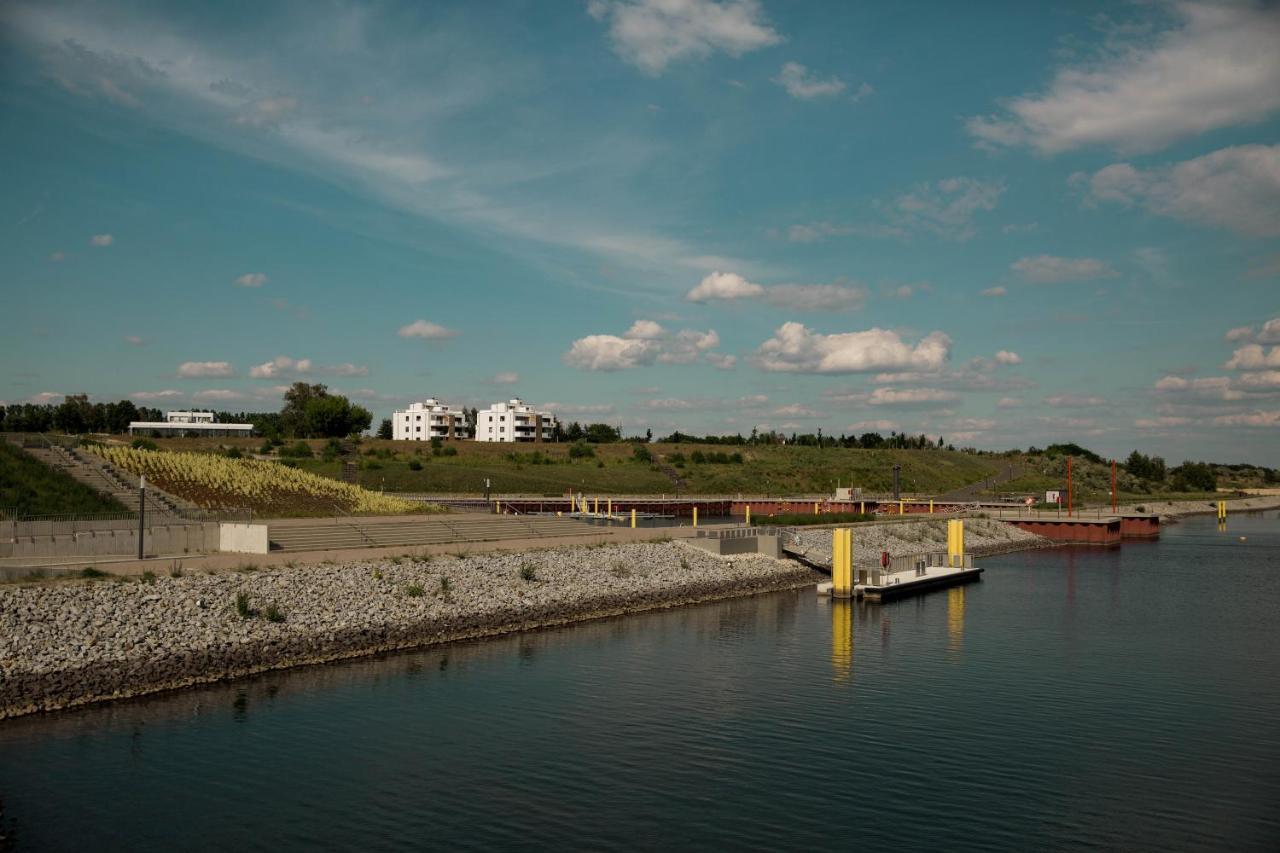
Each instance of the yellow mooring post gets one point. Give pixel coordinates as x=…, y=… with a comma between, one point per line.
x=695, y=516
x=842, y=562
x=815, y=507
x=862, y=507
x=610, y=507
x=748, y=515
x=930, y=506
x=1222, y=510
x=955, y=543
x=633, y=517
x=901, y=504
x=596, y=504
x=497, y=507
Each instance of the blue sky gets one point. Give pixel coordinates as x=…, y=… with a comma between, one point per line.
x=1001, y=223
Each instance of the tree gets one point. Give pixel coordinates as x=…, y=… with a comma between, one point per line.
x=648, y=436
x=293, y=416
x=384, y=429
x=602, y=434
x=73, y=415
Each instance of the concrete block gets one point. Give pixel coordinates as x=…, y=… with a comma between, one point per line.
x=243, y=538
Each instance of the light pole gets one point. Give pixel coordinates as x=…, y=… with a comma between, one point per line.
x=142, y=512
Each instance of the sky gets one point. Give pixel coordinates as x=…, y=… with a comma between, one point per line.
x=1005, y=224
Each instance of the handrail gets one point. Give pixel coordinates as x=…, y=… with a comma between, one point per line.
x=357, y=528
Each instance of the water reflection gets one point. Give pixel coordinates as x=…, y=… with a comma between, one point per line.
x=955, y=618
x=842, y=639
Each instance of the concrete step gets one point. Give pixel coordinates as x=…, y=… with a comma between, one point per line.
x=358, y=534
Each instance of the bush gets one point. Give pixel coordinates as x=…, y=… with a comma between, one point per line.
x=414, y=590
x=527, y=572
x=415, y=465
x=792, y=519
x=300, y=450
x=144, y=444
x=450, y=451
x=234, y=453
x=436, y=443
x=676, y=458
x=273, y=614
x=581, y=450
x=697, y=457
x=266, y=448
x=91, y=572
x=641, y=454
x=242, y=605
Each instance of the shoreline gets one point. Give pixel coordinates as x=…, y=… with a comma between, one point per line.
x=125, y=669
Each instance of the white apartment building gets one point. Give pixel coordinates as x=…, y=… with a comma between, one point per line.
x=427, y=420
x=188, y=423
x=514, y=421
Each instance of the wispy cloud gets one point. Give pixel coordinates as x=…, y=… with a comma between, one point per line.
x=1050, y=269
x=205, y=369
x=803, y=84
x=252, y=279
x=101, y=240
x=652, y=34
x=426, y=330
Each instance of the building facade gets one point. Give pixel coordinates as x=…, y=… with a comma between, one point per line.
x=514, y=421
x=189, y=423
x=429, y=419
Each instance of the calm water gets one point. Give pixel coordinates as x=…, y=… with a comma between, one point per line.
x=1124, y=699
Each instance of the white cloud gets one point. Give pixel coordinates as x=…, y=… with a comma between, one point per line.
x=101, y=240
x=252, y=279
x=1253, y=357
x=996, y=291
x=1048, y=269
x=644, y=330
x=1239, y=333
x=1264, y=380
x=1250, y=419
x=946, y=208
x=797, y=297
x=280, y=366
x=205, y=369
x=1007, y=357
x=1270, y=333
x=794, y=348
x=643, y=344
x=873, y=426
x=426, y=330
x=1237, y=188
x=134, y=341
x=801, y=83
x=148, y=396
x=1206, y=387
x=752, y=400
x=506, y=377
x=1161, y=422
x=1074, y=401
x=1217, y=68
x=267, y=112
x=345, y=369
x=652, y=34
x=609, y=352
x=1008, y=403
x=724, y=285
x=928, y=397
x=721, y=361
x=58, y=256
x=796, y=410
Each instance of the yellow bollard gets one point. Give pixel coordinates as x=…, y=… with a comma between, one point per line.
x=955, y=543
x=930, y=506
x=862, y=507
x=815, y=507
x=497, y=507
x=695, y=516
x=748, y=515
x=633, y=517
x=901, y=505
x=842, y=562
x=559, y=513
x=596, y=507
x=611, y=507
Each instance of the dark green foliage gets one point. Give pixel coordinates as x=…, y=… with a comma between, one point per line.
x=1194, y=477
x=415, y=465
x=91, y=572
x=528, y=572
x=299, y=450
x=414, y=590
x=273, y=614
x=29, y=487
x=143, y=444
x=243, y=610
x=385, y=430
x=449, y=451
x=1145, y=467
x=234, y=453
x=581, y=450
x=641, y=454
x=1072, y=449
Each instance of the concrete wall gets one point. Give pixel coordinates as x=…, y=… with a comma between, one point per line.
x=243, y=538
x=161, y=540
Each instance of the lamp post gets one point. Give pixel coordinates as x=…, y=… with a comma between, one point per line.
x=142, y=512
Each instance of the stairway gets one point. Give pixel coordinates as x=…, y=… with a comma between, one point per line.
x=354, y=532
x=103, y=477
x=974, y=491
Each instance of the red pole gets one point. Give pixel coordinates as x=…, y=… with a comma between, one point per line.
x=1113, y=485
x=1068, y=487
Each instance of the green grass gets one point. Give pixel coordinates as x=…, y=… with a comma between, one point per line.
x=615, y=470
x=29, y=487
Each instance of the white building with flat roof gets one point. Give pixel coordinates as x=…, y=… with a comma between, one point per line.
x=514, y=421
x=429, y=419
x=189, y=423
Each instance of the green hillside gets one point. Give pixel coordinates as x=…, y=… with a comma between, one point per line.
x=29, y=487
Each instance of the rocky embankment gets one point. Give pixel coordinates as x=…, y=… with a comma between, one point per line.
x=1173, y=510
x=982, y=536
x=67, y=644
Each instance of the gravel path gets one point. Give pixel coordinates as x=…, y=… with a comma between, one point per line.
x=67, y=644
x=1170, y=510
x=981, y=536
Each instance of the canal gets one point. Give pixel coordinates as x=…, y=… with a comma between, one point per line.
x=1074, y=699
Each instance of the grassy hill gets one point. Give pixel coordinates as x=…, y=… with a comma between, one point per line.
x=549, y=469
x=29, y=487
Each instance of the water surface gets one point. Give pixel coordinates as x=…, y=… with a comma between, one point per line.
x=1076, y=698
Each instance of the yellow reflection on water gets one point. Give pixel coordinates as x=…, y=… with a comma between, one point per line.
x=955, y=618
x=842, y=639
